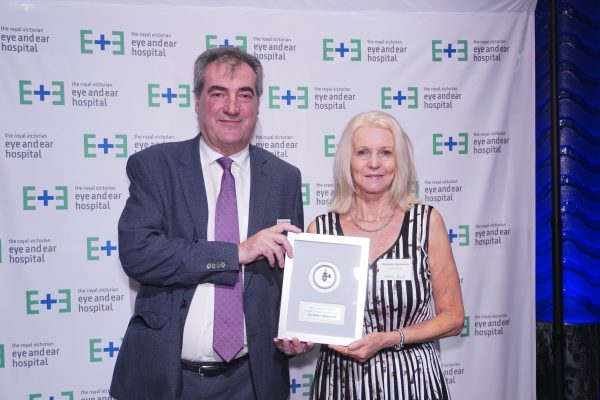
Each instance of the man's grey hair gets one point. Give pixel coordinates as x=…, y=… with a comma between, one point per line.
x=232, y=57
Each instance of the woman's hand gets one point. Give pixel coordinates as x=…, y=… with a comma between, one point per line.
x=367, y=346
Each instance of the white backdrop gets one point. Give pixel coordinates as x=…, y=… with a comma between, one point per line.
x=86, y=85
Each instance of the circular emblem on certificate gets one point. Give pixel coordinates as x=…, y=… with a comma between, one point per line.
x=325, y=277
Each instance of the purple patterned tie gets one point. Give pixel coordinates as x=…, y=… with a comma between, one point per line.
x=228, y=329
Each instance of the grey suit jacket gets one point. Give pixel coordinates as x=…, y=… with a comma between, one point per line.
x=163, y=246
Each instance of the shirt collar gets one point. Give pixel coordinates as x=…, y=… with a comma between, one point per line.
x=209, y=156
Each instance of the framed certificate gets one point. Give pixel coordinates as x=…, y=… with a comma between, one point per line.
x=324, y=288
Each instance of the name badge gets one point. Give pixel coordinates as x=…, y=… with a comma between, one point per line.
x=283, y=221
x=395, y=270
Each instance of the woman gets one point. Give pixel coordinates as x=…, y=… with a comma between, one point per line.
x=395, y=359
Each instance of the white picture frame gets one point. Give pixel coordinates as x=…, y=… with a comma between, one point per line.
x=324, y=288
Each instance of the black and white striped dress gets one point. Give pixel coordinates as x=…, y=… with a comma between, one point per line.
x=412, y=373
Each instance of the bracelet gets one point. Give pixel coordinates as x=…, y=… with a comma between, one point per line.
x=400, y=345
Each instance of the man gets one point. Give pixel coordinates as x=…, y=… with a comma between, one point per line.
x=170, y=241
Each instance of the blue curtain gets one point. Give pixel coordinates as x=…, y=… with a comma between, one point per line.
x=579, y=127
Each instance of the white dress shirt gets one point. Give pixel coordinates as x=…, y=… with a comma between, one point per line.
x=198, y=330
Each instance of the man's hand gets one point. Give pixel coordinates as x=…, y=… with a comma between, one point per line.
x=270, y=243
x=293, y=347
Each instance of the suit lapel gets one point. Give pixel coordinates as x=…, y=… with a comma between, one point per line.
x=259, y=184
x=192, y=184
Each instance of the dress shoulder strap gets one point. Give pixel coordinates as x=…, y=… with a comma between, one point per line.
x=327, y=224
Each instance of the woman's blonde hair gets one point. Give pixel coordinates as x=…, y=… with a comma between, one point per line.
x=401, y=191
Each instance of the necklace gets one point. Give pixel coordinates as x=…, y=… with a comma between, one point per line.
x=382, y=227
x=372, y=220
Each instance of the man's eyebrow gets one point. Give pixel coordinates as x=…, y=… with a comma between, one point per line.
x=216, y=87
x=246, y=89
